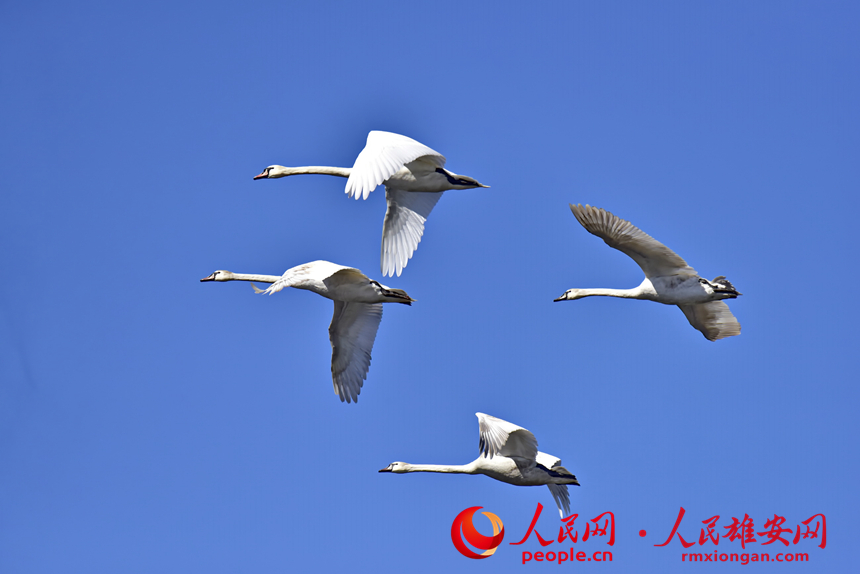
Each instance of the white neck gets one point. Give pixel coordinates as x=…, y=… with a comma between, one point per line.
x=250, y=277
x=635, y=293
x=645, y=290
x=281, y=171
x=452, y=469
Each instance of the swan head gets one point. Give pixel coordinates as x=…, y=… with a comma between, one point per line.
x=219, y=275
x=572, y=294
x=396, y=467
x=272, y=172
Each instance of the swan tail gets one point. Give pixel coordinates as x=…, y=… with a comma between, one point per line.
x=400, y=295
x=722, y=285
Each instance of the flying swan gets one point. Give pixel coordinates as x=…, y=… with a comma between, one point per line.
x=668, y=278
x=357, y=312
x=414, y=176
x=509, y=453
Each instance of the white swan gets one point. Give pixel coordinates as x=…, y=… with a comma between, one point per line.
x=357, y=313
x=414, y=176
x=509, y=453
x=668, y=278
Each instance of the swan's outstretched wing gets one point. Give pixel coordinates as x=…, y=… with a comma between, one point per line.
x=653, y=257
x=352, y=332
x=286, y=280
x=404, y=226
x=713, y=319
x=498, y=437
x=384, y=154
x=562, y=498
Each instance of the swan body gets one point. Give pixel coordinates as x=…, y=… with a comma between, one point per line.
x=414, y=177
x=668, y=278
x=509, y=454
x=357, y=313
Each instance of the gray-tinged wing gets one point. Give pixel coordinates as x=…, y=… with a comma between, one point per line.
x=498, y=437
x=404, y=226
x=383, y=155
x=562, y=498
x=713, y=319
x=655, y=259
x=352, y=332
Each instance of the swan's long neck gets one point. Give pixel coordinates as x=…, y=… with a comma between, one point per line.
x=635, y=293
x=446, y=468
x=251, y=277
x=281, y=171
x=645, y=290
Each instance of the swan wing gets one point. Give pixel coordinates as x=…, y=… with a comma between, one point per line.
x=403, y=227
x=498, y=437
x=301, y=274
x=288, y=279
x=352, y=332
x=713, y=319
x=653, y=257
x=383, y=155
x=562, y=498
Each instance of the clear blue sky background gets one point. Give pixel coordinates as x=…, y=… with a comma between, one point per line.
x=150, y=423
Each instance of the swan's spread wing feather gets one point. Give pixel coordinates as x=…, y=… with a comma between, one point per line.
x=384, y=154
x=562, y=498
x=352, y=332
x=713, y=319
x=286, y=280
x=655, y=259
x=404, y=226
x=498, y=437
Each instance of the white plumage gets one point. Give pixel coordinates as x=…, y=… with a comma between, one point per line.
x=508, y=453
x=357, y=313
x=668, y=278
x=414, y=176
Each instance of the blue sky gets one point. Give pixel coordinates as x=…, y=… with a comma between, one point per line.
x=150, y=423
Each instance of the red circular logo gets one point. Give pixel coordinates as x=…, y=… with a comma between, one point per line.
x=463, y=528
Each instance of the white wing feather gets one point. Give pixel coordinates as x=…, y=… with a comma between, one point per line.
x=352, y=332
x=404, y=226
x=498, y=437
x=713, y=319
x=286, y=280
x=383, y=155
x=655, y=259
